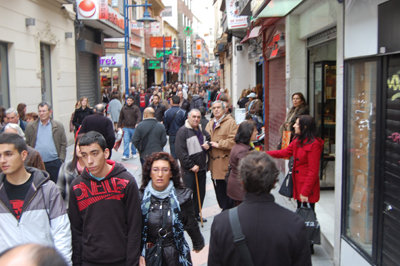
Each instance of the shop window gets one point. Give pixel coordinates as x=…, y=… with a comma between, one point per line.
x=361, y=87
x=45, y=64
x=4, y=89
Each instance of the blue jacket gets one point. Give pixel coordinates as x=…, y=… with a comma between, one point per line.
x=173, y=122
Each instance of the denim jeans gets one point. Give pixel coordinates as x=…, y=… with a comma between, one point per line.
x=128, y=133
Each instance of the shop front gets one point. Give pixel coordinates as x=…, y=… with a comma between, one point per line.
x=370, y=233
x=111, y=73
x=135, y=71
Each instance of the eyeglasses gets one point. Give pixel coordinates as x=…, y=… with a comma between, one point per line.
x=163, y=170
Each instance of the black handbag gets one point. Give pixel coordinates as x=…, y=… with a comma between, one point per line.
x=287, y=184
x=311, y=222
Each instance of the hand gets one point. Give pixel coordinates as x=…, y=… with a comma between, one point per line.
x=205, y=146
x=303, y=198
x=214, y=144
x=142, y=261
x=195, y=168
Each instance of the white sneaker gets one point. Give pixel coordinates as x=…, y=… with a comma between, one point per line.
x=135, y=156
x=124, y=158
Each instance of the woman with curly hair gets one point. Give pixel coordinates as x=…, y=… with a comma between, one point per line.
x=167, y=210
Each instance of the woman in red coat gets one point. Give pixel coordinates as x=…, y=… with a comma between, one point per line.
x=306, y=150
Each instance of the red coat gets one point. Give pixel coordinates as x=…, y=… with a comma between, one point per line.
x=305, y=167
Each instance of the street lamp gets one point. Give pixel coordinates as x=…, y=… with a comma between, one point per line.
x=145, y=19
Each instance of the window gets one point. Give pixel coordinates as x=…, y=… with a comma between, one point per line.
x=134, y=15
x=361, y=86
x=4, y=90
x=45, y=72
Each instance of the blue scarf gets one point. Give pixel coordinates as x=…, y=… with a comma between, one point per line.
x=177, y=226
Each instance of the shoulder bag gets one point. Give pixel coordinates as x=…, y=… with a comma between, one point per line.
x=287, y=184
x=239, y=239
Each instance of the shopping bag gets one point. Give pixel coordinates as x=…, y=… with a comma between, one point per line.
x=312, y=225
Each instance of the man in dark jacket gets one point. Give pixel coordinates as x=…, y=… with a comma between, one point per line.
x=159, y=108
x=129, y=117
x=99, y=123
x=274, y=235
x=174, y=118
x=104, y=209
x=150, y=135
x=198, y=100
x=191, y=148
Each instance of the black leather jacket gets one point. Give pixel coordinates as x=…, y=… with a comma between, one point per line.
x=187, y=217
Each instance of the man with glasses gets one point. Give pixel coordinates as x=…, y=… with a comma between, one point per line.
x=104, y=209
x=191, y=146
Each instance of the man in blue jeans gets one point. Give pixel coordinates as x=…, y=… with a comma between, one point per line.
x=129, y=117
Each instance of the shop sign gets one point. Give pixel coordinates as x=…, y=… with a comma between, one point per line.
x=153, y=64
x=158, y=42
x=174, y=64
x=188, y=50
x=160, y=54
x=111, y=60
x=135, y=62
x=234, y=20
x=98, y=10
x=155, y=28
x=197, y=51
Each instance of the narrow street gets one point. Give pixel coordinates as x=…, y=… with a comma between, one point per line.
x=211, y=208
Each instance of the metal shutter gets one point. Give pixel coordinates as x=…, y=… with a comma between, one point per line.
x=88, y=80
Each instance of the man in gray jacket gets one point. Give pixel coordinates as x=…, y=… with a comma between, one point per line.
x=48, y=137
x=150, y=135
x=32, y=209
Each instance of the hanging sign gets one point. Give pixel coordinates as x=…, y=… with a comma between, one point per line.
x=174, y=64
x=160, y=54
x=157, y=42
x=188, y=50
x=153, y=64
x=232, y=16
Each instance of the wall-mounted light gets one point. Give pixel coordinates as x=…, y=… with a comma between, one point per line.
x=29, y=22
x=68, y=35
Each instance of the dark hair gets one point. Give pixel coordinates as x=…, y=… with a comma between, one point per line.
x=308, y=129
x=131, y=97
x=258, y=172
x=175, y=169
x=244, y=132
x=302, y=98
x=175, y=99
x=202, y=110
x=72, y=165
x=20, y=109
x=11, y=138
x=93, y=137
x=43, y=104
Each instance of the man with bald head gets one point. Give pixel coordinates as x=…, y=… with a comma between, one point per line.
x=100, y=123
x=150, y=135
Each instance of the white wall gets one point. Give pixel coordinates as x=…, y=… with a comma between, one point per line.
x=173, y=21
x=243, y=72
x=24, y=54
x=361, y=28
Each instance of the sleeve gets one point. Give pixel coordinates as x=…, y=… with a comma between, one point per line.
x=121, y=118
x=75, y=119
x=288, y=152
x=163, y=134
x=134, y=220
x=136, y=138
x=214, y=255
x=166, y=122
x=313, y=159
x=229, y=142
x=59, y=223
x=191, y=225
x=76, y=228
x=63, y=143
x=110, y=134
x=181, y=150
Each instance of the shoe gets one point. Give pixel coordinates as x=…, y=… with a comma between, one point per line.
x=124, y=158
x=135, y=156
x=199, y=220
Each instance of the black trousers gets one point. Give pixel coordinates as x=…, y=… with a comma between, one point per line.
x=52, y=168
x=224, y=201
x=189, y=179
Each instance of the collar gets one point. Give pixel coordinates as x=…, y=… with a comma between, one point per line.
x=253, y=197
x=48, y=122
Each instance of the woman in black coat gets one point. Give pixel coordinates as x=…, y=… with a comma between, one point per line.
x=81, y=112
x=167, y=210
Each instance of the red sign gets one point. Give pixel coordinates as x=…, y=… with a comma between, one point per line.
x=157, y=42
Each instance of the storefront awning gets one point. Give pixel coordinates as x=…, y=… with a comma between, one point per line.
x=276, y=8
x=109, y=29
x=253, y=34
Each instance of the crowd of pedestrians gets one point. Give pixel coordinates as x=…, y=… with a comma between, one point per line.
x=91, y=211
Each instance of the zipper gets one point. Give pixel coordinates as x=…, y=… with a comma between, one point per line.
x=11, y=211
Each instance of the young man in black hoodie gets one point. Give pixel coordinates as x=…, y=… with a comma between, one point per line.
x=104, y=209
